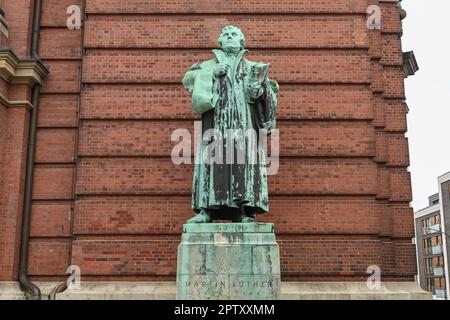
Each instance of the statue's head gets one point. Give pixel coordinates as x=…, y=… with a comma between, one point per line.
x=231, y=39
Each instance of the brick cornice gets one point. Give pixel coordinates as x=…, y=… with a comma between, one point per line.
x=21, y=70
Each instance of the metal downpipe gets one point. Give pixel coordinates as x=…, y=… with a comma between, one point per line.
x=25, y=236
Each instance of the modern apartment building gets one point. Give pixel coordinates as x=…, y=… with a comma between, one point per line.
x=431, y=224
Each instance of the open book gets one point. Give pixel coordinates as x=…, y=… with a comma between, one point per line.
x=259, y=72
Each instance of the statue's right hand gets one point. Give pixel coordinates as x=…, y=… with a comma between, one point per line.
x=221, y=69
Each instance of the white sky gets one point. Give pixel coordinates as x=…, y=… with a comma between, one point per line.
x=426, y=30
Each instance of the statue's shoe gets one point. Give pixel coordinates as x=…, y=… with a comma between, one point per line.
x=200, y=218
x=248, y=220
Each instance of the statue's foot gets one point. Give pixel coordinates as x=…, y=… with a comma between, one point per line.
x=244, y=217
x=202, y=217
x=248, y=220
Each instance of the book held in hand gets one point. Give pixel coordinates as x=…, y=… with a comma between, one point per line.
x=259, y=72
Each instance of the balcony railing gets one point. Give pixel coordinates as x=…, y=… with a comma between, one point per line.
x=440, y=294
x=435, y=271
x=438, y=271
x=434, y=228
x=435, y=250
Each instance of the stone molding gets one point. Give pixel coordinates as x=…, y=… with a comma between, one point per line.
x=14, y=104
x=4, y=27
x=21, y=70
x=410, y=66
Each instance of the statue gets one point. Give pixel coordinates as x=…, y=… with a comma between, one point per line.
x=237, y=102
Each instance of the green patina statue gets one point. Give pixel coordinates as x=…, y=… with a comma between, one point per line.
x=237, y=102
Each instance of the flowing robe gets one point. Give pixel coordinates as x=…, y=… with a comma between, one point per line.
x=226, y=188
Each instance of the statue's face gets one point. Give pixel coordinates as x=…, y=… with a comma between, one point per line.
x=231, y=40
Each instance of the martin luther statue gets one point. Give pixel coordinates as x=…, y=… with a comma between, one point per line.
x=237, y=101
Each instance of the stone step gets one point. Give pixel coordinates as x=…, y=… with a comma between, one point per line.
x=289, y=291
x=10, y=290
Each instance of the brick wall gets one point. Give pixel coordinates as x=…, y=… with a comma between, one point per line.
x=107, y=196
x=13, y=139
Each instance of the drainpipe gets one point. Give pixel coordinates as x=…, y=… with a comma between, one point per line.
x=25, y=237
x=61, y=287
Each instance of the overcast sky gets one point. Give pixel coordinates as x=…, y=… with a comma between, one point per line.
x=427, y=32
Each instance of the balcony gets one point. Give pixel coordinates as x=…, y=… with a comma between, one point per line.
x=434, y=228
x=440, y=294
x=438, y=271
x=435, y=250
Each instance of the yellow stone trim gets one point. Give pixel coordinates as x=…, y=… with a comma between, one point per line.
x=23, y=71
x=14, y=104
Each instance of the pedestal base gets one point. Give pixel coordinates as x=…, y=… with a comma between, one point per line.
x=228, y=261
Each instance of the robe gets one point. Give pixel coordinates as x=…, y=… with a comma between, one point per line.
x=225, y=188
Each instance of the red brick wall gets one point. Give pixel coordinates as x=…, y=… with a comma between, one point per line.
x=107, y=196
x=13, y=141
x=13, y=133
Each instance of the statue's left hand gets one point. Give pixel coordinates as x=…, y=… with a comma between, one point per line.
x=255, y=90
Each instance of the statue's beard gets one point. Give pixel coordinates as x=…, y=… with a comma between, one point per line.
x=231, y=48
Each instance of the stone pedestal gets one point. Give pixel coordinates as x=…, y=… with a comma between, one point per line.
x=228, y=261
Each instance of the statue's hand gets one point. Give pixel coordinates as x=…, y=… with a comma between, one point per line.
x=221, y=69
x=255, y=90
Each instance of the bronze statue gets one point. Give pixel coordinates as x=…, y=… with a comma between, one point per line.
x=234, y=97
